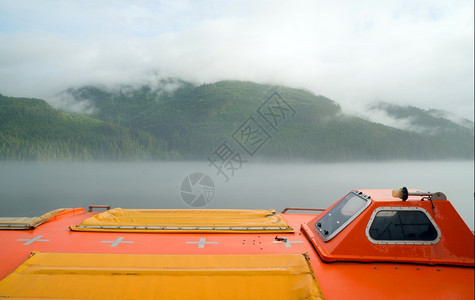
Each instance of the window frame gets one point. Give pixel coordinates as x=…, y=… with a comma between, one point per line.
x=402, y=242
x=345, y=224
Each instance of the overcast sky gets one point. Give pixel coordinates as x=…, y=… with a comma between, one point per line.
x=353, y=52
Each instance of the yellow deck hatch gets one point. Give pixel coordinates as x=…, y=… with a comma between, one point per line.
x=132, y=276
x=185, y=220
x=26, y=223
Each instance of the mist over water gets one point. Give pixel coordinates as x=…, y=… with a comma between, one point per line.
x=31, y=189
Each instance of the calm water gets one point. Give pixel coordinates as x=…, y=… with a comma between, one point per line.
x=30, y=189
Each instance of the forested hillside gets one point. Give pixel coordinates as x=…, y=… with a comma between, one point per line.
x=178, y=120
x=194, y=120
x=30, y=129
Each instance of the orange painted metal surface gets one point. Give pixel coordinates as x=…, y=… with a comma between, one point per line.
x=348, y=266
x=456, y=246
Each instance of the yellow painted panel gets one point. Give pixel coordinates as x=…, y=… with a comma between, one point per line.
x=131, y=276
x=179, y=220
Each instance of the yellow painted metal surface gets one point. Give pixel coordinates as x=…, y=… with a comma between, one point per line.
x=190, y=220
x=26, y=223
x=130, y=276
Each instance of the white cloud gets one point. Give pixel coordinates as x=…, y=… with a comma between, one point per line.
x=353, y=52
x=68, y=103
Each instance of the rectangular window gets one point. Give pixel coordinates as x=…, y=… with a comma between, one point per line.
x=341, y=215
x=402, y=225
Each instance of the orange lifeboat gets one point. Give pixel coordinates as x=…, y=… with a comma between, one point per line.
x=376, y=244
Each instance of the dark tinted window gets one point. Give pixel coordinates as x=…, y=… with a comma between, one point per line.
x=402, y=225
x=341, y=215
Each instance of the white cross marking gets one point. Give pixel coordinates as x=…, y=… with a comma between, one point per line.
x=35, y=239
x=202, y=242
x=286, y=242
x=117, y=242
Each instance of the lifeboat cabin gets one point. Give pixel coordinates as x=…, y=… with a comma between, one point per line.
x=370, y=244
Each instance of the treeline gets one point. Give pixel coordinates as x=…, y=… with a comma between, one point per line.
x=191, y=122
x=30, y=129
x=195, y=120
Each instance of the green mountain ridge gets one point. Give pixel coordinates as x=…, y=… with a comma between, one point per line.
x=429, y=121
x=30, y=129
x=185, y=121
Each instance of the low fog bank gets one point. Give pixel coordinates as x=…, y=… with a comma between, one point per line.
x=30, y=189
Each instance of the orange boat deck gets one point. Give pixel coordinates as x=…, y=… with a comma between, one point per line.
x=338, y=279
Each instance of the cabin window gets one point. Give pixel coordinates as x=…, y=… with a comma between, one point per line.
x=402, y=225
x=341, y=215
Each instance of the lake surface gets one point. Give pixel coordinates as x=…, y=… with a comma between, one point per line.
x=31, y=189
